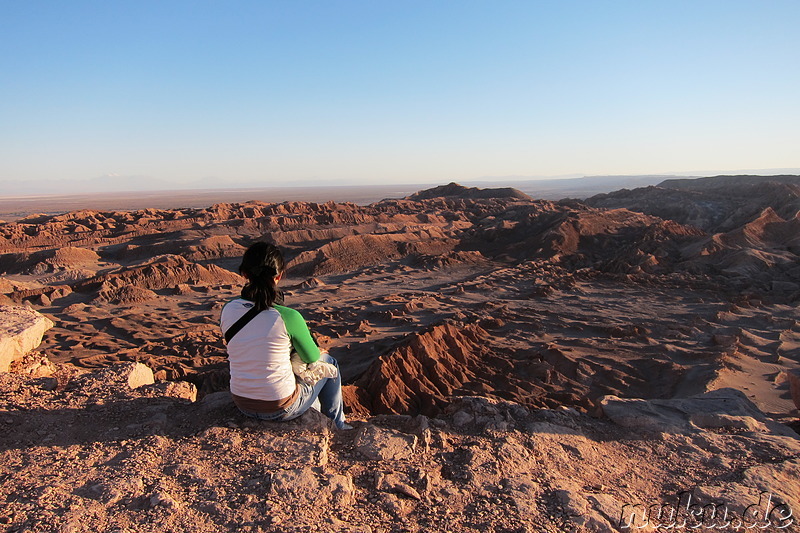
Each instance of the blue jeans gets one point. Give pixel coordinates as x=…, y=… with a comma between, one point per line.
x=328, y=390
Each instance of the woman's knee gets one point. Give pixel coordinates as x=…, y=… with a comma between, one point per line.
x=325, y=357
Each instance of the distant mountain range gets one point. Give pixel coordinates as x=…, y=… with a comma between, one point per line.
x=557, y=189
x=546, y=188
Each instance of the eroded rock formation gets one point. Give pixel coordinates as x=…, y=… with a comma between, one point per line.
x=536, y=275
x=21, y=330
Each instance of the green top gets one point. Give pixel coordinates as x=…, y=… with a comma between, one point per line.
x=300, y=336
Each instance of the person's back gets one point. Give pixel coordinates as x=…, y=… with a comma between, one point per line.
x=263, y=338
x=259, y=353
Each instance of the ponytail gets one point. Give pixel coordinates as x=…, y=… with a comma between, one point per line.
x=261, y=264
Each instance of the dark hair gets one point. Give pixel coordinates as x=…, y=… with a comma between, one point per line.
x=260, y=264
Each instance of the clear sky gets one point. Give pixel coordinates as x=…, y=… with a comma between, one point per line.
x=297, y=92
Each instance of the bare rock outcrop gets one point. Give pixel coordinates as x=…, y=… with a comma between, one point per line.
x=127, y=294
x=351, y=252
x=722, y=408
x=716, y=204
x=214, y=247
x=21, y=330
x=454, y=190
x=61, y=259
x=166, y=271
x=419, y=376
x=765, y=250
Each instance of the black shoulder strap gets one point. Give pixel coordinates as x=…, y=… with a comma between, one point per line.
x=239, y=324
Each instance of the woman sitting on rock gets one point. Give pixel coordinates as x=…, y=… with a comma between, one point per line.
x=261, y=335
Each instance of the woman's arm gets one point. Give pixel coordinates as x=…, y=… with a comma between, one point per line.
x=301, y=338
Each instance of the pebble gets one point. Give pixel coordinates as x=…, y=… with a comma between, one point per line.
x=162, y=498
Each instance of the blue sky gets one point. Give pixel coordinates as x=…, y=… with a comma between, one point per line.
x=300, y=92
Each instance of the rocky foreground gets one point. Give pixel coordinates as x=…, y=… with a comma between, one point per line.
x=109, y=450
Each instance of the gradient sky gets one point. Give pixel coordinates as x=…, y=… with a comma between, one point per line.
x=295, y=92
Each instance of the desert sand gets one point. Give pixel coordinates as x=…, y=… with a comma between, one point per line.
x=491, y=345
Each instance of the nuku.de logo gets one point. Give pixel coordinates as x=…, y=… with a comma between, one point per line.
x=685, y=512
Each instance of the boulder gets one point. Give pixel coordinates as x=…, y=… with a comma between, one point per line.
x=173, y=389
x=298, y=485
x=33, y=364
x=342, y=490
x=377, y=443
x=722, y=408
x=396, y=482
x=305, y=487
x=134, y=375
x=21, y=330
